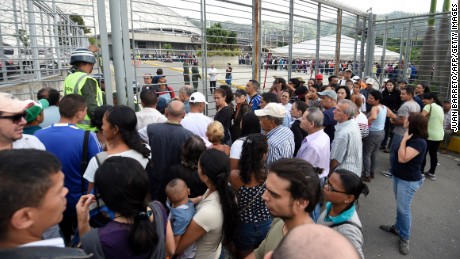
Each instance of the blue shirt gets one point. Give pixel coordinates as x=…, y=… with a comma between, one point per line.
x=254, y=102
x=181, y=216
x=65, y=141
x=329, y=123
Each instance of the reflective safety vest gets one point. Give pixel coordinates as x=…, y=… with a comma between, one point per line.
x=73, y=85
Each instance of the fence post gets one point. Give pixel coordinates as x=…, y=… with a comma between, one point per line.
x=384, y=48
x=400, y=54
x=291, y=36
x=338, y=36
x=104, y=39
x=406, y=53
x=127, y=56
x=16, y=26
x=361, y=55
x=204, y=53
x=356, y=46
x=318, y=36
x=117, y=47
x=33, y=40
x=256, y=40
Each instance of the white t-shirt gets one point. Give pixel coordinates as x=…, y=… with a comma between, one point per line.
x=237, y=147
x=93, y=166
x=198, y=124
x=209, y=216
x=362, y=121
x=148, y=116
x=212, y=72
x=28, y=141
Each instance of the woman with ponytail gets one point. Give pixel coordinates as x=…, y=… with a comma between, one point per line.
x=140, y=228
x=249, y=184
x=122, y=139
x=215, y=221
x=341, y=193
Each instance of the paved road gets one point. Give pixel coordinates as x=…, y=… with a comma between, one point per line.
x=435, y=208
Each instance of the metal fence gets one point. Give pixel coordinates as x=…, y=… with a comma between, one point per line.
x=244, y=40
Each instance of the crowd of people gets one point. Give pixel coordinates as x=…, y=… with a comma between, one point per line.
x=251, y=182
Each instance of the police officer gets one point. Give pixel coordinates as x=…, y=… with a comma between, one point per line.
x=80, y=82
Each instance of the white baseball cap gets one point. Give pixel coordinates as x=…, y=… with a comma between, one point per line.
x=197, y=97
x=272, y=109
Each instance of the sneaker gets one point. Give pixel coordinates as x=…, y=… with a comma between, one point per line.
x=386, y=150
x=372, y=176
x=404, y=246
x=387, y=174
x=366, y=178
x=390, y=229
x=432, y=177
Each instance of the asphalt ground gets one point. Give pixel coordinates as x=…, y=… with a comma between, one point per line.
x=435, y=207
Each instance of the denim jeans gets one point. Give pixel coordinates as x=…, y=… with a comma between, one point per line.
x=404, y=192
x=371, y=145
x=394, y=150
x=250, y=235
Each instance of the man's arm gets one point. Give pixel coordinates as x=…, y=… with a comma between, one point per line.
x=89, y=92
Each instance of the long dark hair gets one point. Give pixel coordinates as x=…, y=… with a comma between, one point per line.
x=251, y=162
x=125, y=119
x=215, y=165
x=418, y=125
x=124, y=187
x=191, y=151
x=250, y=124
x=431, y=95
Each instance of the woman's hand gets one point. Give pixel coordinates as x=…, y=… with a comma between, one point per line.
x=82, y=208
x=406, y=136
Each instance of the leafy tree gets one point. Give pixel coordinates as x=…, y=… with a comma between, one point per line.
x=23, y=37
x=220, y=38
x=79, y=20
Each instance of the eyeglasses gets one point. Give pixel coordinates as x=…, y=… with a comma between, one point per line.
x=16, y=118
x=331, y=188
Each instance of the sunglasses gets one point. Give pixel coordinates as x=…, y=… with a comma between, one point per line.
x=16, y=118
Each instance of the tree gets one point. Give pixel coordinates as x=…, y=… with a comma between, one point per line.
x=79, y=20
x=428, y=51
x=23, y=37
x=220, y=38
x=167, y=47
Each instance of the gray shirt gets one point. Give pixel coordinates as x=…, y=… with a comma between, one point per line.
x=404, y=111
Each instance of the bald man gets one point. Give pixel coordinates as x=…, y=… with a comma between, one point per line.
x=166, y=140
x=313, y=241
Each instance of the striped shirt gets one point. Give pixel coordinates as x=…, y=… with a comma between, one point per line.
x=347, y=147
x=280, y=144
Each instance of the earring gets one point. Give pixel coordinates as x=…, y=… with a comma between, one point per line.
x=345, y=202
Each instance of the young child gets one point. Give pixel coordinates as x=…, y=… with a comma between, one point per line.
x=182, y=210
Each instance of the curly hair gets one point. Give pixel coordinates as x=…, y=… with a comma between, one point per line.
x=254, y=148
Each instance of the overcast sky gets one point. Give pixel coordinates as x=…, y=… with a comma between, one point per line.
x=388, y=6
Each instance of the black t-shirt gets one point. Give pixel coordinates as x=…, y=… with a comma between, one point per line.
x=411, y=171
x=190, y=177
x=224, y=116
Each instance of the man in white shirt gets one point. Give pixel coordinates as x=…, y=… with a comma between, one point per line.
x=212, y=73
x=149, y=113
x=195, y=120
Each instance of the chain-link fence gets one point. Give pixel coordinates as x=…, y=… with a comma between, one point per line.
x=242, y=40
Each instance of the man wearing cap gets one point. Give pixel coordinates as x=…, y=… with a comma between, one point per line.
x=280, y=138
x=347, y=147
x=328, y=102
x=12, y=122
x=361, y=83
x=369, y=87
x=67, y=143
x=35, y=116
x=346, y=76
x=195, y=120
x=80, y=82
x=51, y=114
x=319, y=79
